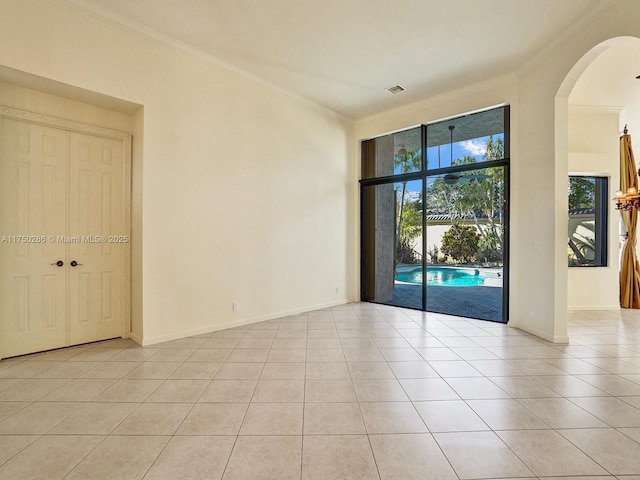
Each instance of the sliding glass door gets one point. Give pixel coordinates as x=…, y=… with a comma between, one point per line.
x=434, y=217
x=465, y=226
x=392, y=258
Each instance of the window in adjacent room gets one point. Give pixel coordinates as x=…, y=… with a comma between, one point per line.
x=588, y=205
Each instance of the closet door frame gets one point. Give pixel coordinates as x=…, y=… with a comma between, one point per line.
x=125, y=141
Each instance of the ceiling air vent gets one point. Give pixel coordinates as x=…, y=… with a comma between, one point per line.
x=396, y=89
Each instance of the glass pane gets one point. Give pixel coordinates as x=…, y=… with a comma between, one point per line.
x=584, y=246
x=392, y=246
x=465, y=243
x=474, y=138
x=393, y=154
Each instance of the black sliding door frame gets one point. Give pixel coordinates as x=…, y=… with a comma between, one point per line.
x=367, y=213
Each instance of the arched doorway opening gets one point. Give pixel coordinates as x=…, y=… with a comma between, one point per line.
x=599, y=96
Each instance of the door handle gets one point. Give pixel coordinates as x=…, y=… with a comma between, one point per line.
x=59, y=263
x=75, y=264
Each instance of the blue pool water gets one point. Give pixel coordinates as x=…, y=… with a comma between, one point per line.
x=445, y=276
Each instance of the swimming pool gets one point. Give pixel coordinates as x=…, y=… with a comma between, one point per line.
x=449, y=276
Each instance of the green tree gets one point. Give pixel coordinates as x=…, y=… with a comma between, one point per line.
x=460, y=242
x=408, y=161
x=411, y=221
x=582, y=192
x=477, y=196
x=410, y=229
x=485, y=199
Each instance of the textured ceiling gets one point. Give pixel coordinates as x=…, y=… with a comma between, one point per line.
x=343, y=54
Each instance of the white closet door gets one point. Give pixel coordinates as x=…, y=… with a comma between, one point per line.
x=62, y=238
x=96, y=221
x=34, y=185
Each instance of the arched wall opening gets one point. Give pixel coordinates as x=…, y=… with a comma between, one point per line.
x=597, y=98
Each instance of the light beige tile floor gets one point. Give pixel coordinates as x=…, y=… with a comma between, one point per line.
x=359, y=391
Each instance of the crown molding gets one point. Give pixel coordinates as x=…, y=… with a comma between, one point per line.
x=596, y=109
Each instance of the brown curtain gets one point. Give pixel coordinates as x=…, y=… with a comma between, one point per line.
x=629, y=267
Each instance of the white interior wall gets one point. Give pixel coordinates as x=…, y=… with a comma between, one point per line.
x=241, y=193
x=594, y=150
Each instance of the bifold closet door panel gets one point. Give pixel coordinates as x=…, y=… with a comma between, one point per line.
x=34, y=274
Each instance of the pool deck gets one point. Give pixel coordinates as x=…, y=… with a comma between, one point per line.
x=484, y=303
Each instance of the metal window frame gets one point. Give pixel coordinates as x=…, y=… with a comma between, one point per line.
x=422, y=176
x=601, y=232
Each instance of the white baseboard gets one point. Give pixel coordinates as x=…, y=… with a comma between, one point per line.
x=593, y=307
x=561, y=339
x=146, y=341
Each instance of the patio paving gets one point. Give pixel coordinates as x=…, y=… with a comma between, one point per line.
x=484, y=303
